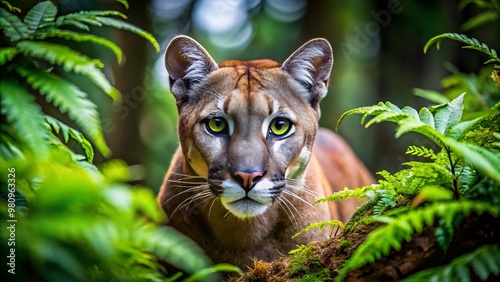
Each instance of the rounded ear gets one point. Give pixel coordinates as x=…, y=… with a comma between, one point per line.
x=311, y=65
x=187, y=63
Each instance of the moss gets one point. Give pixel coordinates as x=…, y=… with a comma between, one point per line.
x=306, y=263
x=359, y=215
x=344, y=245
x=482, y=134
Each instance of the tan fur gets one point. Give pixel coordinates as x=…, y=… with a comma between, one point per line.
x=249, y=95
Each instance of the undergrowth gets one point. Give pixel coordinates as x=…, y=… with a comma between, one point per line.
x=454, y=178
x=71, y=220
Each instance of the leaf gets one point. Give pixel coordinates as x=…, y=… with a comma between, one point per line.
x=25, y=116
x=12, y=26
x=471, y=43
x=202, y=275
x=41, y=14
x=10, y=7
x=81, y=37
x=7, y=54
x=320, y=226
x=430, y=95
x=129, y=27
x=70, y=60
x=458, y=130
x=68, y=131
x=421, y=152
x=449, y=115
x=69, y=99
x=480, y=19
x=482, y=159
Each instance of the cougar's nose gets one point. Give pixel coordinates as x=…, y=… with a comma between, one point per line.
x=247, y=179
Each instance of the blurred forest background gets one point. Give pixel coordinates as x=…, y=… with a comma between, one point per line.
x=378, y=49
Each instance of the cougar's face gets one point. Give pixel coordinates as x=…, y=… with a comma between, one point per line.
x=247, y=133
x=248, y=127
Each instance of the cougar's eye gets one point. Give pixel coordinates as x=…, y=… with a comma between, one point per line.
x=216, y=125
x=280, y=126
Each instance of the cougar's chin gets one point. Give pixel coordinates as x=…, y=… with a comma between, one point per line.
x=245, y=205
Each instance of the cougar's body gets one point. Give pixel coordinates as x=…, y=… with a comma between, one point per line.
x=251, y=158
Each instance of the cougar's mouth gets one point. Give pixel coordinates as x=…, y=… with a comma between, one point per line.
x=241, y=203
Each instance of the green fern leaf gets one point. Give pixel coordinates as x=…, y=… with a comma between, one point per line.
x=457, y=131
x=7, y=54
x=70, y=60
x=69, y=99
x=74, y=23
x=40, y=15
x=449, y=114
x=25, y=116
x=421, y=152
x=12, y=26
x=480, y=19
x=403, y=227
x=10, y=7
x=482, y=159
x=68, y=132
x=485, y=261
x=320, y=225
x=471, y=43
x=80, y=37
x=430, y=95
x=426, y=117
x=360, y=193
x=112, y=22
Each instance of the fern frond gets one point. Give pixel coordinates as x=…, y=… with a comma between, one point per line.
x=359, y=193
x=390, y=236
x=384, y=200
x=7, y=54
x=40, y=15
x=70, y=60
x=69, y=99
x=12, y=26
x=430, y=95
x=112, y=22
x=10, y=7
x=484, y=160
x=25, y=116
x=434, y=123
x=421, y=152
x=471, y=43
x=67, y=132
x=484, y=261
x=320, y=225
x=81, y=37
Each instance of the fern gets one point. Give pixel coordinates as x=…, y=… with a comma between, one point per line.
x=70, y=60
x=80, y=37
x=25, y=116
x=434, y=123
x=421, y=152
x=484, y=261
x=13, y=28
x=391, y=236
x=67, y=132
x=28, y=45
x=69, y=99
x=39, y=16
x=471, y=43
x=320, y=225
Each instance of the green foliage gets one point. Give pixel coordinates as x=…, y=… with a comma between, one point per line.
x=320, y=225
x=483, y=261
x=390, y=236
x=75, y=222
x=460, y=177
x=35, y=65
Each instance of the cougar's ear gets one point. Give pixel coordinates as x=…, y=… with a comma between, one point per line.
x=311, y=65
x=187, y=63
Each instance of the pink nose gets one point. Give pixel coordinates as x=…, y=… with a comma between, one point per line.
x=247, y=179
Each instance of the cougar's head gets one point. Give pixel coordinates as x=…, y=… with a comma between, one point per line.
x=248, y=126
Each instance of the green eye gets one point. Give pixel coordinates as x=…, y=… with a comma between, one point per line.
x=216, y=125
x=280, y=126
